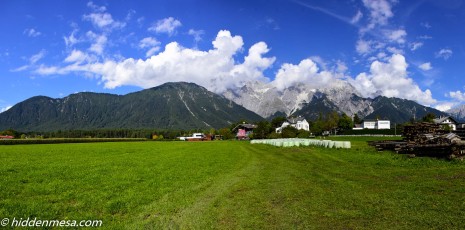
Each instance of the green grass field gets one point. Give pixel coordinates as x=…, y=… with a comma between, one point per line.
x=230, y=185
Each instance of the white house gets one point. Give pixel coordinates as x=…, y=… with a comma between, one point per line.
x=369, y=124
x=383, y=124
x=446, y=121
x=374, y=124
x=296, y=122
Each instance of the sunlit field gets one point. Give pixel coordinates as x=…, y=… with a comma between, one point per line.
x=230, y=184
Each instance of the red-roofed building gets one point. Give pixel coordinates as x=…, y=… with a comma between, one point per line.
x=6, y=137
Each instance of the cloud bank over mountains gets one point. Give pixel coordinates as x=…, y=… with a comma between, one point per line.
x=218, y=70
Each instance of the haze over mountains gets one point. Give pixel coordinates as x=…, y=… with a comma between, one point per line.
x=188, y=106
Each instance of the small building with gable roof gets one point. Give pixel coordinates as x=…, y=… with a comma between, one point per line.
x=243, y=131
x=451, y=122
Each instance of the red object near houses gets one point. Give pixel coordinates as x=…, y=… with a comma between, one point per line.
x=6, y=137
x=244, y=131
x=241, y=133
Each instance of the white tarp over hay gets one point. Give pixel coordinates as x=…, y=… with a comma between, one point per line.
x=291, y=142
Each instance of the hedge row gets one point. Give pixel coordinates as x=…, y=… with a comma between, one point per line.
x=66, y=140
x=371, y=132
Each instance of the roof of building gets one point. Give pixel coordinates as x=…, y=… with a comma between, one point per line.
x=372, y=120
x=294, y=120
x=442, y=119
x=246, y=126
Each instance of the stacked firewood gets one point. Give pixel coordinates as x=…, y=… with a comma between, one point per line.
x=422, y=133
x=425, y=139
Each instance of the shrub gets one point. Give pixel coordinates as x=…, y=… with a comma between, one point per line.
x=289, y=132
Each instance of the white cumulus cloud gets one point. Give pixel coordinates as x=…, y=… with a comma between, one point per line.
x=306, y=72
x=444, y=53
x=378, y=36
x=380, y=12
x=166, y=25
x=219, y=69
x=5, y=108
x=36, y=57
x=31, y=32
x=391, y=79
x=32, y=61
x=76, y=56
x=99, y=42
x=101, y=19
x=397, y=36
x=394, y=50
x=152, y=51
x=96, y=7
x=425, y=66
x=215, y=69
x=457, y=95
x=150, y=43
x=197, y=34
x=415, y=45
x=71, y=40
x=444, y=106
x=363, y=47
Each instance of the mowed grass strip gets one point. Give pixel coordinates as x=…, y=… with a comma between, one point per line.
x=230, y=185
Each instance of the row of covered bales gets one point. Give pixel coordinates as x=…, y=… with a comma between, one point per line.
x=291, y=142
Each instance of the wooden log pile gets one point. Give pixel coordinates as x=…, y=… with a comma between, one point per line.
x=422, y=132
x=425, y=139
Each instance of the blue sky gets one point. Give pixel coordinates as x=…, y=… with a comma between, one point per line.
x=407, y=49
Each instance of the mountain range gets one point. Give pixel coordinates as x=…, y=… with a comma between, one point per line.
x=187, y=106
x=302, y=99
x=169, y=106
x=457, y=112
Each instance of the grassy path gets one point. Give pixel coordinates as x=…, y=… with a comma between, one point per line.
x=230, y=185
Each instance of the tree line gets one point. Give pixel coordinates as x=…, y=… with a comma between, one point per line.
x=334, y=123
x=331, y=122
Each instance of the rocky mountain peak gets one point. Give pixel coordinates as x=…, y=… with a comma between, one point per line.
x=303, y=99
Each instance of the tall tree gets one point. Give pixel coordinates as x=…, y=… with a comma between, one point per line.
x=318, y=125
x=332, y=120
x=263, y=130
x=345, y=122
x=277, y=122
x=357, y=119
x=226, y=133
x=429, y=117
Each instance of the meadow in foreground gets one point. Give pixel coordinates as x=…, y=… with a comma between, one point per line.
x=229, y=184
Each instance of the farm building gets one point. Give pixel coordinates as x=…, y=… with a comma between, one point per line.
x=243, y=131
x=374, y=124
x=451, y=122
x=6, y=137
x=296, y=122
